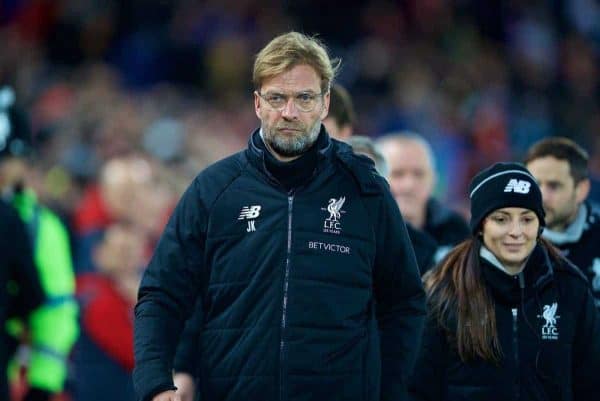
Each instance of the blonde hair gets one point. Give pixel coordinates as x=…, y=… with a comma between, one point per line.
x=289, y=50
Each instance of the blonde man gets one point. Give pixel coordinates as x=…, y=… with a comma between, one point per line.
x=294, y=254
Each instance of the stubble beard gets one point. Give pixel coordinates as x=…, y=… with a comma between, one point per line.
x=291, y=146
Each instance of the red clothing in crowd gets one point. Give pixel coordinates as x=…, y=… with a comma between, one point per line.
x=107, y=317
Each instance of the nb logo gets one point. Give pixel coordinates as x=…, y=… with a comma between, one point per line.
x=249, y=212
x=518, y=186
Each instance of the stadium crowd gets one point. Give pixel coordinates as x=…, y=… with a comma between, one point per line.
x=125, y=102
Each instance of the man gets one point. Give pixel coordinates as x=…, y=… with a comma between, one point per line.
x=53, y=326
x=340, y=119
x=572, y=222
x=20, y=290
x=412, y=179
x=298, y=254
x=423, y=244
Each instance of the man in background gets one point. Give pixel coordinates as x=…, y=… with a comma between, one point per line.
x=423, y=244
x=560, y=167
x=53, y=327
x=20, y=289
x=412, y=179
x=341, y=118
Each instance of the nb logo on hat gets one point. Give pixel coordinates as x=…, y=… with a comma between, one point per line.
x=518, y=186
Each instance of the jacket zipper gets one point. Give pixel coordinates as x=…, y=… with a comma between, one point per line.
x=285, y=298
x=515, y=325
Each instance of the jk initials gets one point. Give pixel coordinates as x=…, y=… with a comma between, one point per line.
x=250, y=227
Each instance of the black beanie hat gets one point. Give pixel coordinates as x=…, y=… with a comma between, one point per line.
x=504, y=185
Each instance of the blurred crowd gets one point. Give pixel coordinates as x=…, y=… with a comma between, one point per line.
x=128, y=100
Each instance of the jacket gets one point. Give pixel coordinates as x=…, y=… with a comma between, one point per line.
x=447, y=227
x=579, y=244
x=54, y=326
x=309, y=294
x=548, y=331
x=20, y=288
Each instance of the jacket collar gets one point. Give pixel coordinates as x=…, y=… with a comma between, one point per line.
x=256, y=155
x=537, y=273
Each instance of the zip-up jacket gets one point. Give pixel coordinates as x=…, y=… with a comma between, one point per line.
x=53, y=326
x=549, y=335
x=20, y=288
x=580, y=244
x=447, y=227
x=307, y=294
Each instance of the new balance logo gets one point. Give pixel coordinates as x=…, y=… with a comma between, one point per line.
x=518, y=186
x=249, y=212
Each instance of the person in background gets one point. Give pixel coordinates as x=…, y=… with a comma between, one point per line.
x=509, y=317
x=53, y=327
x=340, y=125
x=297, y=254
x=560, y=167
x=20, y=289
x=412, y=179
x=423, y=244
x=104, y=353
x=341, y=118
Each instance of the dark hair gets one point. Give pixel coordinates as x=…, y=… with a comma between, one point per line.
x=562, y=149
x=458, y=297
x=461, y=303
x=341, y=108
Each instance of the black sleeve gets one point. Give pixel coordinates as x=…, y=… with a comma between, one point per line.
x=586, y=352
x=28, y=293
x=167, y=295
x=399, y=299
x=429, y=376
x=187, y=357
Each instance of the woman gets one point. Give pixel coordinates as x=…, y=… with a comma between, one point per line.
x=509, y=318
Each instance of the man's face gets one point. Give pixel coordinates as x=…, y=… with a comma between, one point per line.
x=411, y=178
x=560, y=194
x=289, y=132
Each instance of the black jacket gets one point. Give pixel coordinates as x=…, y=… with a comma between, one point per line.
x=549, y=333
x=447, y=227
x=310, y=294
x=16, y=267
x=582, y=246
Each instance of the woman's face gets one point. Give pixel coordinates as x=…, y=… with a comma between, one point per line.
x=510, y=234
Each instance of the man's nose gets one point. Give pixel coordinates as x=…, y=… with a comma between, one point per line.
x=290, y=110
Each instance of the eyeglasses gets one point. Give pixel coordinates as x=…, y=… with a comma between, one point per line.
x=304, y=101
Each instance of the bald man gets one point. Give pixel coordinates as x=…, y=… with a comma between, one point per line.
x=412, y=179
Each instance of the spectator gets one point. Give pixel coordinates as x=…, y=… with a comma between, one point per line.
x=17, y=272
x=423, y=244
x=412, y=179
x=53, y=325
x=340, y=120
x=560, y=167
x=104, y=358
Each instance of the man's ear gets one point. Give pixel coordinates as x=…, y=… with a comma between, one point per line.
x=257, y=105
x=582, y=190
x=326, y=100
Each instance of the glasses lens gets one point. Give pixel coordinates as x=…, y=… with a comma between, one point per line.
x=304, y=102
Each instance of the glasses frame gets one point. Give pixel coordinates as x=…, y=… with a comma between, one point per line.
x=293, y=97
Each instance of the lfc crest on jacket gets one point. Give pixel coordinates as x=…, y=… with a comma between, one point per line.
x=332, y=223
x=549, y=328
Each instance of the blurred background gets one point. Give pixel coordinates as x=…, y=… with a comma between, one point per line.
x=129, y=99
